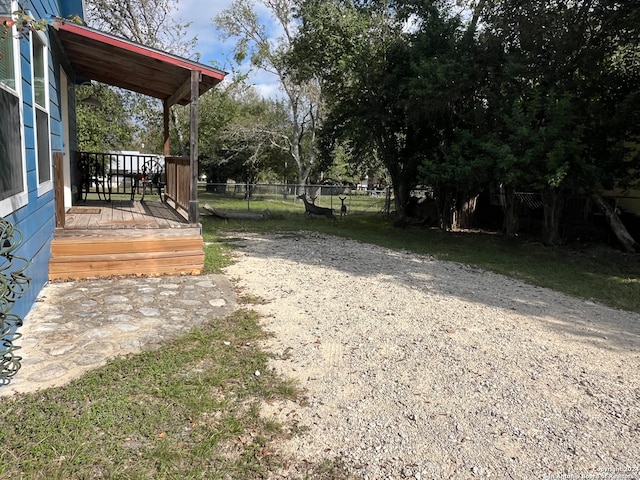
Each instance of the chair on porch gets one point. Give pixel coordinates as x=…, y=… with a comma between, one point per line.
x=92, y=173
x=97, y=170
x=153, y=177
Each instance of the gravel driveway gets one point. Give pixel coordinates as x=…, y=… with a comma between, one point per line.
x=417, y=368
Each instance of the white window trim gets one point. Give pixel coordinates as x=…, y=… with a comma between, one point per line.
x=19, y=200
x=47, y=185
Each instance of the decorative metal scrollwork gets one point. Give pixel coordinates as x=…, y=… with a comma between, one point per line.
x=13, y=284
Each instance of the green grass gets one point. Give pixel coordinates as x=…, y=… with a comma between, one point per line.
x=189, y=410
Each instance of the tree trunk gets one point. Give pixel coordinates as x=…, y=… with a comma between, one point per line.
x=553, y=204
x=401, y=188
x=443, y=200
x=620, y=231
x=236, y=215
x=509, y=208
x=304, y=168
x=182, y=150
x=401, y=193
x=465, y=209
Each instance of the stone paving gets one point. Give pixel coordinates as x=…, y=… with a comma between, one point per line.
x=77, y=326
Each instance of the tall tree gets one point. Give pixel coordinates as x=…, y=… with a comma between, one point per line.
x=397, y=82
x=486, y=95
x=350, y=47
x=149, y=22
x=105, y=122
x=303, y=98
x=238, y=133
x=447, y=107
x=566, y=107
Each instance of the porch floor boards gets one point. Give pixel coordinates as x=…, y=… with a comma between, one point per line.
x=122, y=214
x=124, y=237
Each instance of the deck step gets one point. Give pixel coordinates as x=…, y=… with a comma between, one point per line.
x=75, y=257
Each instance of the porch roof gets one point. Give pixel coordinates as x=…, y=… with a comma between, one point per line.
x=103, y=57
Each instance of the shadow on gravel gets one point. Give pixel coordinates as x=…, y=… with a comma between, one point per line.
x=584, y=320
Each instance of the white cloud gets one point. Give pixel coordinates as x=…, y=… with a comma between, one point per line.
x=265, y=83
x=200, y=14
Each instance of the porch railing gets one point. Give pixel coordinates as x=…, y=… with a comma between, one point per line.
x=178, y=175
x=108, y=174
x=118, y=173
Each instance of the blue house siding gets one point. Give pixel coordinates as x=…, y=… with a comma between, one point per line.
x=55, y=134
x=36, y=220
x=71, y=7
x=36, y=227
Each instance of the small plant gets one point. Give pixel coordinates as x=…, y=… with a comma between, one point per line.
x=24, y=23
x=249, y=299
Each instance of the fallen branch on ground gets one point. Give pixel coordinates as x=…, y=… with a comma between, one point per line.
x=237, y=215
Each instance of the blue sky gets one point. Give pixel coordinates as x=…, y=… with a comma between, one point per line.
x=213, y=51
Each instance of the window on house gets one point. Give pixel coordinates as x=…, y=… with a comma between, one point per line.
x=11, y=160
x=5, y=8
x=11, y=173
x=7, y=60
x=43, y=151
x=39, y=71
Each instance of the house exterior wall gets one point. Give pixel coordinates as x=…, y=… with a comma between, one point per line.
x=36, y=219
x=71, y=7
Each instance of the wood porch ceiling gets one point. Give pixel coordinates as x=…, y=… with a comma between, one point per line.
x=99, y=56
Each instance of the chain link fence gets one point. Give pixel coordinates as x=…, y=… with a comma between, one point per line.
x=344, y=199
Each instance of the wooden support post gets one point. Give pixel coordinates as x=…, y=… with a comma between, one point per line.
x=58, y=188
x=193, y=198
x=165, y=122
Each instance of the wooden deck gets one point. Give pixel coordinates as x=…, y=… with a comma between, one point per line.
x=124, y=237
x=122, y=214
